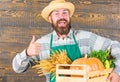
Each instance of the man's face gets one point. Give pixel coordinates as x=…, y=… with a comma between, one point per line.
x=60, y=20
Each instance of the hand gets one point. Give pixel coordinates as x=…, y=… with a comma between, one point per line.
x=33, y=48
x=113, y=77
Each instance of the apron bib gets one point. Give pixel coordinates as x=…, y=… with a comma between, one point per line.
x=72, y=50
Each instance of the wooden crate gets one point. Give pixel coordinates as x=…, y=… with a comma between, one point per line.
x=64, y=74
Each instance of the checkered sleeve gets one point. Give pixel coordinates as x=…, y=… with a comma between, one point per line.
x=20, y=62
x=115, y=45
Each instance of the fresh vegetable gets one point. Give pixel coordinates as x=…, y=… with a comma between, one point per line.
x=105, y=57
x=93, y=63
x=107, y=64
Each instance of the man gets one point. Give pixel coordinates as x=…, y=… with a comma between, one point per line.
x=75, y=42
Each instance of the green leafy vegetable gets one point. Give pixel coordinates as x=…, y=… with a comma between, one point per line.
x=105, y=57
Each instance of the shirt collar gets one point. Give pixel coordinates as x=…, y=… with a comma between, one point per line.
x=56, y=37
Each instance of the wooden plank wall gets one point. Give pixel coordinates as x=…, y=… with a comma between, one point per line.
x=20, y=19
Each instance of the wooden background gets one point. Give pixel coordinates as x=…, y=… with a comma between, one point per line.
x=20, y=19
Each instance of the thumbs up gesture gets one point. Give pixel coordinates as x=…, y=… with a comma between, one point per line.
x=33, y=48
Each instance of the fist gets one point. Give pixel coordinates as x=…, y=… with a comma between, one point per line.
x=33, y=48
x=113, y=77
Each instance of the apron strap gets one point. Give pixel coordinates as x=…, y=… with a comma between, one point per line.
x=74, y=39
x=51, y=41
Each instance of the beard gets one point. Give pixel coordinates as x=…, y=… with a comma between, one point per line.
x=62, y=29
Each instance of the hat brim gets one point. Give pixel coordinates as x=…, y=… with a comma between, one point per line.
x=47, y=10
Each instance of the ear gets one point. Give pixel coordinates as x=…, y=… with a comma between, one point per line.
x=49, y=18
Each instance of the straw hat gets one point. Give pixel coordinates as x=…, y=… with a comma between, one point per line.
x=57, y=4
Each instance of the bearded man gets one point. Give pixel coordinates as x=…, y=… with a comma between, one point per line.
x=75, y=42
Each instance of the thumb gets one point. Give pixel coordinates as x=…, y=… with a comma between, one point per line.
x=33, y=39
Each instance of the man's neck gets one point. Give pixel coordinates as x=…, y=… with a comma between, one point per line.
x=62, y=36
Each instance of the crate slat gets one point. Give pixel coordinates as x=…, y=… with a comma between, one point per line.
x=65, y=74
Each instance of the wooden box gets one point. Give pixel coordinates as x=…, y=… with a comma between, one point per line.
x=65, y=74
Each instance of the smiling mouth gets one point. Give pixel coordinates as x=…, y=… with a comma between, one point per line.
x=62, y=23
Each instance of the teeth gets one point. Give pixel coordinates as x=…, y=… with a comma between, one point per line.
x=62, y=22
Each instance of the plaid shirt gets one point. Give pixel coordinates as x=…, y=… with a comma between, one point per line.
x=87, y=41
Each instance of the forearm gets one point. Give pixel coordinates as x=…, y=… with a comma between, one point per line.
x=116, y=53
x=20, y=62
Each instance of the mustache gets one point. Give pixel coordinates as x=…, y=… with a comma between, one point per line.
x=62, y=20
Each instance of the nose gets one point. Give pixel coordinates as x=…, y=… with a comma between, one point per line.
x=61, y=16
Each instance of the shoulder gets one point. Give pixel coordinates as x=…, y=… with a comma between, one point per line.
x=82, y=33
x=45, y=38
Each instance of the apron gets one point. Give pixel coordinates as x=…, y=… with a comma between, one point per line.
x=72, y=50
